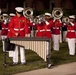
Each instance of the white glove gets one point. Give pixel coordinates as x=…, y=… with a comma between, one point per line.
x=72, y=23
x=39, y=22
x=54, y=20
x=64, y=24
x=33, y=23
x=60, y=21
x=5, y=21
x=47, y=23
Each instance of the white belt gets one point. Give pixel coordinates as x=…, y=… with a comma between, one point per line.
x=48, y=30
x=19, y=29
x=8, y=30
x=55, y=28
x=28, y=27
x=4, y=28
x=42, y=30
x=71, y=30
x=39, y=30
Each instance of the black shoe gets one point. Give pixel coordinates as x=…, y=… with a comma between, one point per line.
x=15, y=63
x=49, y=66
x=23, y=63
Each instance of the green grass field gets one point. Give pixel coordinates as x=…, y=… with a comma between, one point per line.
x=34, y=61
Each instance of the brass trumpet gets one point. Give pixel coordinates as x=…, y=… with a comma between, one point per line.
x=36, y=20
x=1, y=18
x=39, y=19
x=66, y=20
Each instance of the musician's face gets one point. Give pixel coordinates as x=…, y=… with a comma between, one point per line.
x=71, y=20
x=18, y=14
x=5, y=17
x=47, y=17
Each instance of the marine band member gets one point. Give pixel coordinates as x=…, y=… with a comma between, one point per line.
x=56, y=33
x=71, y=35
x=4, y=30
x=19, y=28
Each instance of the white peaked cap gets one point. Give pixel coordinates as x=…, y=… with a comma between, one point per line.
x=5, y=14
x=12, y=14
x=48, y=14
x=72, y=16
x=19, y=9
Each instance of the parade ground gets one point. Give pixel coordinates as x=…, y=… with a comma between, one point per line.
x=62, y=63
x=66, y=69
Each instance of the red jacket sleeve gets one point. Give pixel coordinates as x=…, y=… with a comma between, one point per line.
x=11, y=25
x=26, y=26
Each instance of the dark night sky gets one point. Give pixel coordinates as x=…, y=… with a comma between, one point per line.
x=20, y=2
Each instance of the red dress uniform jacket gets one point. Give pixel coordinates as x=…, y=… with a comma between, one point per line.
x=9, y=32
x=30, y=24
x=39, y=30
x=0, y=25
x=71, y=31
x=18, y=25
x=56, y=27
x=47, y=29
x=4, y=29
